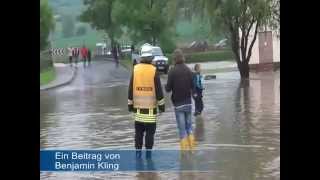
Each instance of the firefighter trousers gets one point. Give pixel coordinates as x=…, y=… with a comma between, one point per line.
x=140, y=129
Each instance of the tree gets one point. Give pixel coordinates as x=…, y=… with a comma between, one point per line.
x=100, y=15
x=240, y=18
x=81, y=30
x=274, y=20
x=46, y=23
x=68, y=26
x=150, y=21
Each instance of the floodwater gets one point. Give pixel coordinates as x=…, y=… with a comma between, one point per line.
x=240, y=125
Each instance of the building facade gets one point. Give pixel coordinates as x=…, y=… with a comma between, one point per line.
x=265, y=51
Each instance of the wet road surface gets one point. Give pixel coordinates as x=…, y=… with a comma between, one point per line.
x=240, y=124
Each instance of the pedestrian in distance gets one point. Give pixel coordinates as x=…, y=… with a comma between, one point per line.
x=182, y=87
x=70, y=51
x=115, y=54
x=119, y=50
x=89, y=56
x=132, y=48
x=145, y=100
x=76, y=55
x=84, y=54
x=198, y=83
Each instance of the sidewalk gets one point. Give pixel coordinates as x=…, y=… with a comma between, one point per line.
x=64, y=75
x=215, y=67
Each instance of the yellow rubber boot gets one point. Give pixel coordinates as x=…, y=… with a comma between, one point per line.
x=191, y=142
x=184, y=144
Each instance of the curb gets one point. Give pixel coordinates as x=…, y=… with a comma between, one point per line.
x=74, y=71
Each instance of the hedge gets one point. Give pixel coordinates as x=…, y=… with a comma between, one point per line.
x=45, y=60
x=221, y=55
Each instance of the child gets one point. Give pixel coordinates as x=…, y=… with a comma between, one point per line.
x=198, y=83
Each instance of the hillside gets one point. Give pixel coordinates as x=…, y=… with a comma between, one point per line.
x=186, y=31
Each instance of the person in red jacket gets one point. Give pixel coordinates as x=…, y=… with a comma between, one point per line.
x=84, y=54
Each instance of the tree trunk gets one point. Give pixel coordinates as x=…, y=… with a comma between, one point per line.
x=244, y=69
x=112, y=42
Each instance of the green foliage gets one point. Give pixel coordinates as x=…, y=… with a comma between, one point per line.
x=68, y=26
x=45, y=60
x=47, y=76
x=89, y=39
x=99, y=14
x=81, y=30
x=46, y=23
x=210, y=56
x=148, y=21
x=222, y=55
x=127, y=63
x=166, y=43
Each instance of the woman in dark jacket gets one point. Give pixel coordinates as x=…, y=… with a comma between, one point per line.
x=182, y=87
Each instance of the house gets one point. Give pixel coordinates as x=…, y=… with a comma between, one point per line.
x=265, y=51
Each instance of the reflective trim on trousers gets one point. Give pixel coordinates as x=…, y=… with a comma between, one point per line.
x=145, y=118
x=161, y=102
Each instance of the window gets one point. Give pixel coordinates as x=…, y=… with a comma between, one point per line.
x=157, y=52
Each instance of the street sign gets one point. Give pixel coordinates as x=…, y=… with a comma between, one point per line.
x=58, y=51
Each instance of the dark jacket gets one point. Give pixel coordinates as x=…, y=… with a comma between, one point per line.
x=158, y=91
x=181, y=85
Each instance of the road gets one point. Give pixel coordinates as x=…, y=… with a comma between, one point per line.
x=240, y=124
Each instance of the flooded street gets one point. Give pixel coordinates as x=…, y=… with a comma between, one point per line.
x=239, y=128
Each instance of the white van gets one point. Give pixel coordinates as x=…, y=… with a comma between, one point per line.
x=159, y=60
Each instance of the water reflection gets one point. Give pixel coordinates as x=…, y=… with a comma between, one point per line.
x=148, y=176
x=199, y=129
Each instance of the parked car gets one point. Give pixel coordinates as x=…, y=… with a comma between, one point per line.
x=159, y=60
x=126, y=49
x=221, y=44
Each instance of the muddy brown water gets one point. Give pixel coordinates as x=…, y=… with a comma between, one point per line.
x=240, y=125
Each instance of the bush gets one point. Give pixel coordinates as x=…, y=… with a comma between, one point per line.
x=45, y=60
x=167, y=44
x=47, y=76
x=222, y=55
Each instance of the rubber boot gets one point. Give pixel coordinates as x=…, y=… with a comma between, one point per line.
x=191, y=142
x=184, y=144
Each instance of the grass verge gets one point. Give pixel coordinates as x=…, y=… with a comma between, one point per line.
x=212, y=56
x=126, y=62
x=46, y=76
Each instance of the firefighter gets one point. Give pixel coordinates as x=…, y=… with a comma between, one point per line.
x=145, y=100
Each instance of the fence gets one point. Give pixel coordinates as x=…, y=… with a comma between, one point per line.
x=45, y=60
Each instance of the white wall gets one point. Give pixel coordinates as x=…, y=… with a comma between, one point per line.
x=254, y=59
x=276, y=48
